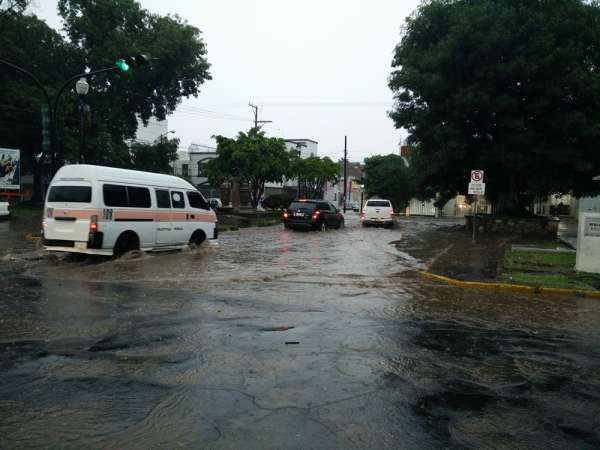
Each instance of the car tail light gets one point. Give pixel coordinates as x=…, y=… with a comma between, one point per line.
x=315, y=215
x=392, y=212
x=49, y=213
x=285, y=215
x=93, y=224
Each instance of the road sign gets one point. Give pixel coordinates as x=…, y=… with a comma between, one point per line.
x=476, y=188
x=477, y=176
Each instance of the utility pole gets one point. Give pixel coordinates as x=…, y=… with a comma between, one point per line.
x=255, y=112
x=345, y=170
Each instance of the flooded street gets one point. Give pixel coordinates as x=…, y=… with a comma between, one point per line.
x=281, y=339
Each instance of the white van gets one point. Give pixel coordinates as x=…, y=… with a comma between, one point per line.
x=105, y=211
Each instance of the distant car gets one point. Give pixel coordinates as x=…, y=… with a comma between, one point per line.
x=312, y=215
x=378, y=212
x=215, y=203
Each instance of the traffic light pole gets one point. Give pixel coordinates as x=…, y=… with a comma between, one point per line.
x=59, y=151
x=51, y=117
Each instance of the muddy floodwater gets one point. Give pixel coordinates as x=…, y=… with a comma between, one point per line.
x=280, y=339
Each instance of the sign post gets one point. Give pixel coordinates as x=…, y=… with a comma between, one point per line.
x=476, y=188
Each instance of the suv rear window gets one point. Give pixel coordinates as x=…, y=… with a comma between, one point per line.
x=70, y=194
x=379, y=203
x=303, y=206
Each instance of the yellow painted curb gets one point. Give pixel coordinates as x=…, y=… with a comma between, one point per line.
x=510, y=287
x=32, y=237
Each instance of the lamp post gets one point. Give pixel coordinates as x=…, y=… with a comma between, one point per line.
x=362, y=191
x=82, y=87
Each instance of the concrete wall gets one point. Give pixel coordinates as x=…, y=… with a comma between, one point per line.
x=588, y=243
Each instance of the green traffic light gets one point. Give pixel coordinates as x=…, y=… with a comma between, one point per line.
x=122, y=65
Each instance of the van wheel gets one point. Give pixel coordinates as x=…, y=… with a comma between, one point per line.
x=127, y=242
x=198, y=237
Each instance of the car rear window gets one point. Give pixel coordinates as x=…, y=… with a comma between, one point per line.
x=70, y=194
x=380, y=203
x=303, y=206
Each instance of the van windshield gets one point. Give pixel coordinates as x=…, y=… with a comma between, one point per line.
x=70, y=194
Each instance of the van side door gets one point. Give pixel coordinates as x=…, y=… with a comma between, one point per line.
x=163, y=217
x=178, y=217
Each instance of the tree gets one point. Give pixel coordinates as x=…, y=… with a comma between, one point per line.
x=253, y=157
x=110, y=29
x=156, y=157
x=97, y=33
x=388, y=177
x=29, y=43
x=313, y=173
x=510, y=87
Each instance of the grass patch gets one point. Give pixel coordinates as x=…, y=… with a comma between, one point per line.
x=553, y=280
x=539, y=260
x=546, y=269
x=25, y=210
x=543, y=243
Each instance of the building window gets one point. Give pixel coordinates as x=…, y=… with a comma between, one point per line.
x=200, y=169
x=185, y=170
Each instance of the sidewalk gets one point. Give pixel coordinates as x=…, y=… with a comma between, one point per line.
x=567, y=232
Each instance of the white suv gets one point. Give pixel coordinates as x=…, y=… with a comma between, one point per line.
x=377, y=212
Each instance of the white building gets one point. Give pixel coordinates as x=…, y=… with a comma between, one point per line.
x=190, y=165
x=148, y=134
x=306, y=148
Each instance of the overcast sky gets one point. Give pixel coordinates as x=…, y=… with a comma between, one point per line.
x=317, y=68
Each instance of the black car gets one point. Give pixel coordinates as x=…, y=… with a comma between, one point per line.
x=312, y=215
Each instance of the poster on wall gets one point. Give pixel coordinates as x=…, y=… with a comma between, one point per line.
x=10, y=168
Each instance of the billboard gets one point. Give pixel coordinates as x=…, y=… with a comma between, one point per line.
x=10, y=168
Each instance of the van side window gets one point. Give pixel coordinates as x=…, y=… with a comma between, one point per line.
x=114, y=195
x=138, y=197
x=196, y=200
x=162, y=199
x=177, y=199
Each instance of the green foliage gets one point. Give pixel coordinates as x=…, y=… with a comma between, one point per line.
x=96, y=35
x=388, y=177
x=155, y=157
x=313, y=174
x=511, y=87
x=253, y=157
x=277, y=201
x=108, y=30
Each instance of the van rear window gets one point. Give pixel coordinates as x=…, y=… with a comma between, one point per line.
x=70, y=194
x=379, y=203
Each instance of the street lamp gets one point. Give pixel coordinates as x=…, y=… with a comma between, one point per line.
x=160, y=136
x=82, y=87
x=362, y=191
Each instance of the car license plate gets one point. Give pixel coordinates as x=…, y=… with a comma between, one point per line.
x=298, y=214
x=80, y=245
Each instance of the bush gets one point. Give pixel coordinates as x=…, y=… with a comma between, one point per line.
x=277, y=201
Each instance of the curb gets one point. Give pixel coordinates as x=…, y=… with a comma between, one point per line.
x=511, y=287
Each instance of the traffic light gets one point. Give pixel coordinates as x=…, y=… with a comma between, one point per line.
x=122, y=65
x=129, y=62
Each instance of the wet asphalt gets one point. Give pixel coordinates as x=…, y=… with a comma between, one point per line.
x=280, y=339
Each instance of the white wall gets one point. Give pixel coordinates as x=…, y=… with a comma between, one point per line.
x=152, y=131
x=588, y=243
